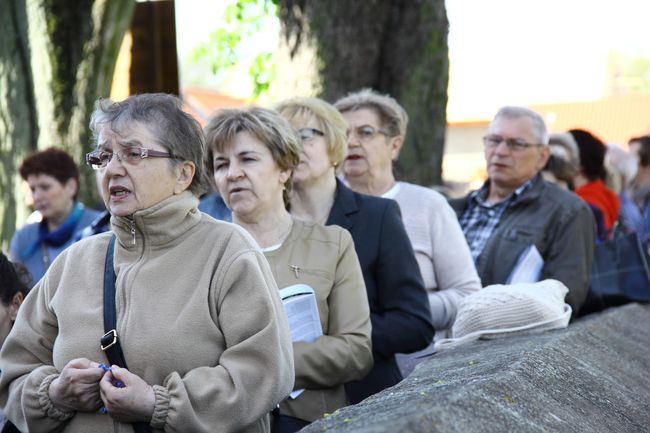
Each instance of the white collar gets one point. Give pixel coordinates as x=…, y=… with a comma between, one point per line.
x=392, y=193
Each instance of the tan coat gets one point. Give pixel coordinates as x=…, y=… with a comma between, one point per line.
x=324, y=258
x=198, y=316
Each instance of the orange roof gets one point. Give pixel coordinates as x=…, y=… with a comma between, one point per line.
x=202, y=103
x=614, y=119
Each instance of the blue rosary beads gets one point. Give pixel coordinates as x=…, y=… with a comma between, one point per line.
x=116, y=383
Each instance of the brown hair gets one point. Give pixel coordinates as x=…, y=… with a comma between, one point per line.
x=53, y=162
x=592, y=154
x=562, y=169
x=266, y=125
x=644, y=149
x=14, y=278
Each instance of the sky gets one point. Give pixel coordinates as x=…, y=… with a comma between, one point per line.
x=195, y=20
x=502, y=51
x=531, y=52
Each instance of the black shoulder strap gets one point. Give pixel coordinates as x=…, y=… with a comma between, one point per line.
x=110, y=342
x=10, y=428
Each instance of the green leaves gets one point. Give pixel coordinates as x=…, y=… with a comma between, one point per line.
x=242, y=20
x=262, y=71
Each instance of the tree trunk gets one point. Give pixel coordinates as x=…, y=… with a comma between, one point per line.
x=18, y=126
x=56, y=58
x=398, y=47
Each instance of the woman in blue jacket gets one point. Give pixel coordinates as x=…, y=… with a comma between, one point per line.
x=53, y=178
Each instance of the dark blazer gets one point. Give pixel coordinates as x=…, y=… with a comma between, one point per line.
x=399, y=309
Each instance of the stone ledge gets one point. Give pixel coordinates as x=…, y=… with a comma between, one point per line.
x=592, y=377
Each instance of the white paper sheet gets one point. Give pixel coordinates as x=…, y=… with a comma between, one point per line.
x=528, y=268
x=299, y=301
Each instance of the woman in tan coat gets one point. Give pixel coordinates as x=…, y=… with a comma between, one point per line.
x=199, y=320
x=252, y=154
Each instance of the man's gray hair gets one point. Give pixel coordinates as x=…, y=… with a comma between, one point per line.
x=539, y=127
x=178, y=132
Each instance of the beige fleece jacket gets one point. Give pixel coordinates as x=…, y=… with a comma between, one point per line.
x=198, y=315
x=324, y=258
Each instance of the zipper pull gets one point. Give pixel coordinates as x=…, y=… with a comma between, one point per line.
x=295, y=270
x=133, y=231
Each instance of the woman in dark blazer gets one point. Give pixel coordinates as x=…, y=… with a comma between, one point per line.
x=399, y=309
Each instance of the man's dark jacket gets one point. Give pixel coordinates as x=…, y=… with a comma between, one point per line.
x=399, y=309
x=557, y=222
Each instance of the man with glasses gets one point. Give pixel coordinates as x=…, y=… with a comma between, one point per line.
x=517, y=218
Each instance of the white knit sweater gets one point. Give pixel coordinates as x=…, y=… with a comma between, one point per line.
x=440, y=249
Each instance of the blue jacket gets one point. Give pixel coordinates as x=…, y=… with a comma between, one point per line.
x=213, y=205
x=28, y=234
x=399, y=309
x=557, y=222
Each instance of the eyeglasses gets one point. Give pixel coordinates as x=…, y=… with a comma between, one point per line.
x=365, y=133
x=513, y=144
x=99, y=159
x=307, y=134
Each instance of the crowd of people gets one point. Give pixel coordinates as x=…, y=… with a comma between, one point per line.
x=164, y=310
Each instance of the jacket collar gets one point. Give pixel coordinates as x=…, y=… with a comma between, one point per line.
x=159, y=224
x=532, y=193
x=344, y=206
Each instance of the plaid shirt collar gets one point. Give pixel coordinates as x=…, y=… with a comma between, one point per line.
x=481, y=218
x=479, y=196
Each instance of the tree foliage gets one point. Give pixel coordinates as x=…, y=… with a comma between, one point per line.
x=636, y=75
x=398, y=47
x=56, y=58
x=242, y=19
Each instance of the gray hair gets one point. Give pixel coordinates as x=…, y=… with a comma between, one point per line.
x=271, y=129
x=178, y=132
x=539, y=127
x=392, y=115
x=565, y=141
x=622, y=161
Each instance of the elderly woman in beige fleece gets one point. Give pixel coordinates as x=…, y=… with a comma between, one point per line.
x=199, y=319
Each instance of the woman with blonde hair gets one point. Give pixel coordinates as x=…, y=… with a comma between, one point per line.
x=401, y=321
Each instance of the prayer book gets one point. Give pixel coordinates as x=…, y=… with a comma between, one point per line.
x=299, y=301
x=528, y=268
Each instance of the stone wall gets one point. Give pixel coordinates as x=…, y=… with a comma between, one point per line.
x=591, y=377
